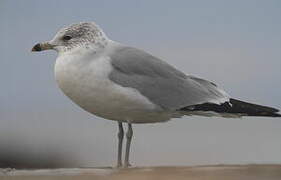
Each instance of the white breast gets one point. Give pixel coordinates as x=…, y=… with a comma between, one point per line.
x=84, y=79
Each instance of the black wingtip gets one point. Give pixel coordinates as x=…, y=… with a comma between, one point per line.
x=235, y=106
x=254, y=109
x=276, y=115
x=266, y=114
x=37, y=47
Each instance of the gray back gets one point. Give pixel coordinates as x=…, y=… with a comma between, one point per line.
x=158, y=81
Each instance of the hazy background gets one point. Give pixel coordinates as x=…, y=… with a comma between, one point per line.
x=233, y=43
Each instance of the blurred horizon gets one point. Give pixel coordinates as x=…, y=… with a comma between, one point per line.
x=233, y=44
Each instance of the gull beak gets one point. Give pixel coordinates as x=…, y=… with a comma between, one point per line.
x=42, y=46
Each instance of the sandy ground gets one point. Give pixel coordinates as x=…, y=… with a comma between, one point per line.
x=218, y=172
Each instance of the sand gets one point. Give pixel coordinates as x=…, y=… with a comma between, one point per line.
x=218, y=172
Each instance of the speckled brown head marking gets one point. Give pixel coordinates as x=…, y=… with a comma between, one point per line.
x=86, y=34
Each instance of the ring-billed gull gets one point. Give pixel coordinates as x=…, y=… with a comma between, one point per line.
x=128, y=85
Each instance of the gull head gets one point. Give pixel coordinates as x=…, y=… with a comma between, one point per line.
x=81, y=35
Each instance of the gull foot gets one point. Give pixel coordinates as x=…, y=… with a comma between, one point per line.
x=127, y=165
x=119, y=165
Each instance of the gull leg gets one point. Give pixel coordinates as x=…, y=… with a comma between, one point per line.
x=120, y=143
x=129, y=136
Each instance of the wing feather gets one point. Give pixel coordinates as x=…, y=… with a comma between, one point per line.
x=160, y=82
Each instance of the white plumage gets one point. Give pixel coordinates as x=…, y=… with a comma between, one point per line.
x=126, y=84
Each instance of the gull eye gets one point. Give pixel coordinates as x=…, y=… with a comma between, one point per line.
x=66, y=38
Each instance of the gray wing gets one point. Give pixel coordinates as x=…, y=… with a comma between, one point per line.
x=160, y=82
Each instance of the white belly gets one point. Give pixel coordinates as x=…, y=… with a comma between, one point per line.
x=85, y=81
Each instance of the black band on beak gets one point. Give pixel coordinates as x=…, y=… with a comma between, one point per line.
x=37, y=47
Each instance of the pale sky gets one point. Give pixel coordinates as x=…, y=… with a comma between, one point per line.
x=235, y=44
